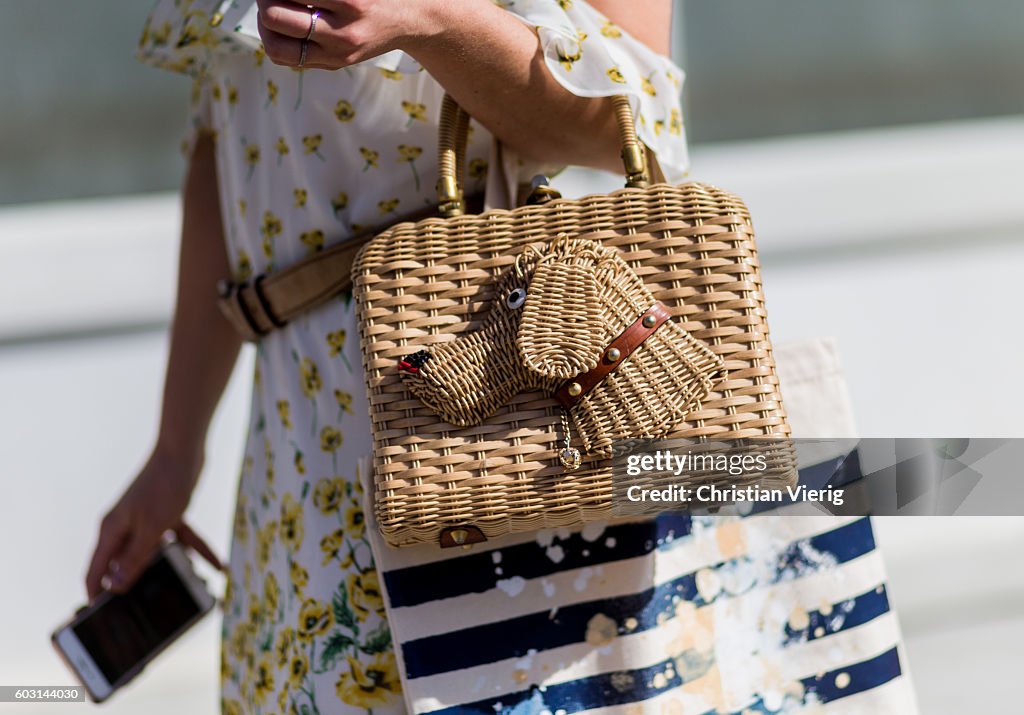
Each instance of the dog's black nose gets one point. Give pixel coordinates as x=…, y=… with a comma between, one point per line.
x=412, y=363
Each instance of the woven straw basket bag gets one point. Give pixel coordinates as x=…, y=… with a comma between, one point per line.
x=507, y=353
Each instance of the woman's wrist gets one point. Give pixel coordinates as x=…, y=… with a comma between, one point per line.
x=185, y=454
x=435, y=25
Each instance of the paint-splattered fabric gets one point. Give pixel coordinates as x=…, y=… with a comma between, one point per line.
x=307, y=159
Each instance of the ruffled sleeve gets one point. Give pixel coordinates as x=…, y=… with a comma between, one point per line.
x=592, y=57
x=185, y=35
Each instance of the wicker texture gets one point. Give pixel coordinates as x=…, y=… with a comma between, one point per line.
x=474, y=437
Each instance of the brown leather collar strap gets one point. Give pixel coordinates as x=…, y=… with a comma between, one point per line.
x=617, y=352
x=270, y=301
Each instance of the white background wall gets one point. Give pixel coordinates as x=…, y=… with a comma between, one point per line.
x=903, y=244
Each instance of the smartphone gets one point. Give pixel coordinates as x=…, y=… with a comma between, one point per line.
x=109, y=641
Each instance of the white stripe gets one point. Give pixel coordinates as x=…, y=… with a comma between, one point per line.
x=701, y=549
x=711, y=623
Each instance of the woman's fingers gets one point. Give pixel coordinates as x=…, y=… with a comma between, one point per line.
x=113, y=533
x=190, y=538
x=286, y=18
x=131, y=561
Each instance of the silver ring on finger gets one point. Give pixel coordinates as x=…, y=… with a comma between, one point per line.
x=313, y=17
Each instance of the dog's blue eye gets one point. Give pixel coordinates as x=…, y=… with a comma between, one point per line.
x=516, y=298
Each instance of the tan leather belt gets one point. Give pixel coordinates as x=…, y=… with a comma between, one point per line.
x=258, y=307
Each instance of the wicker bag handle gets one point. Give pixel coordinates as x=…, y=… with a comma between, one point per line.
x=453, y=131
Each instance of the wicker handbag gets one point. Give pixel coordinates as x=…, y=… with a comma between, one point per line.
x=507, y=353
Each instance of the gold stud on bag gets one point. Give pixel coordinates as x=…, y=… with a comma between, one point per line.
x=506, y=352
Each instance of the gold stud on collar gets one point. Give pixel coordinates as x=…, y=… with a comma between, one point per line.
x=612, y=355
x=575, y=389
x=649, y=321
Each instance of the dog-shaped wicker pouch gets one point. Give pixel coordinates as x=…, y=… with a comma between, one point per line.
x=506, y=354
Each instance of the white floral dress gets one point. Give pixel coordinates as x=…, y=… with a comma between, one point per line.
x=305, y=160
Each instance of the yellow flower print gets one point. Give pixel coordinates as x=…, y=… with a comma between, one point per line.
x=162, y=35
x=271, y=593
x=610, y=29
x=311, y=383
x=648, y=86
x=330, y=439
x=214, y=90
x=259, y=54
x=339, y=202
x=364, y=594
x=567, y=59
x=264, y=683
x=232, y=95
x=314, y=619
x=659, y=127
x=311, y=145
x=409, y=155
x=255, y=610
x=565, y=4
x=282, y=699
x=331, y=545
x=300, y=462
x=282, y=149
x=374, y=685
x=243, y=206
x=297, y=668
x=270, y=229
x=344, y=111
x=301, y=196
x=252, y=157
x=265, y=541
x=314, y=240
x=284, y=645
x=355, y=522
x=231, y=707
x=327, y=495
x=240, y=528
x=239, y=640
x=344, y=400
x=271, y=93
x=291, y=522
x=336, y=342
x=675, y=122
x=243, y=267
x=284, y=411
x=299, y=576
x=388, y=205
x=477, y=169
x=416, y=111
x=370, y=156
x=615, y=75
x=391, y=74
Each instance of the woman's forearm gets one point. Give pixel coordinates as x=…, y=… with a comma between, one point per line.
x=490, y=62
x=204, y=347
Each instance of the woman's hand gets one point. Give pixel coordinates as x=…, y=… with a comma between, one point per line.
x=130, y=533
x=346, y=31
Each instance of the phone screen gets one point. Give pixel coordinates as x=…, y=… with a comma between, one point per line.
x=129, y=626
